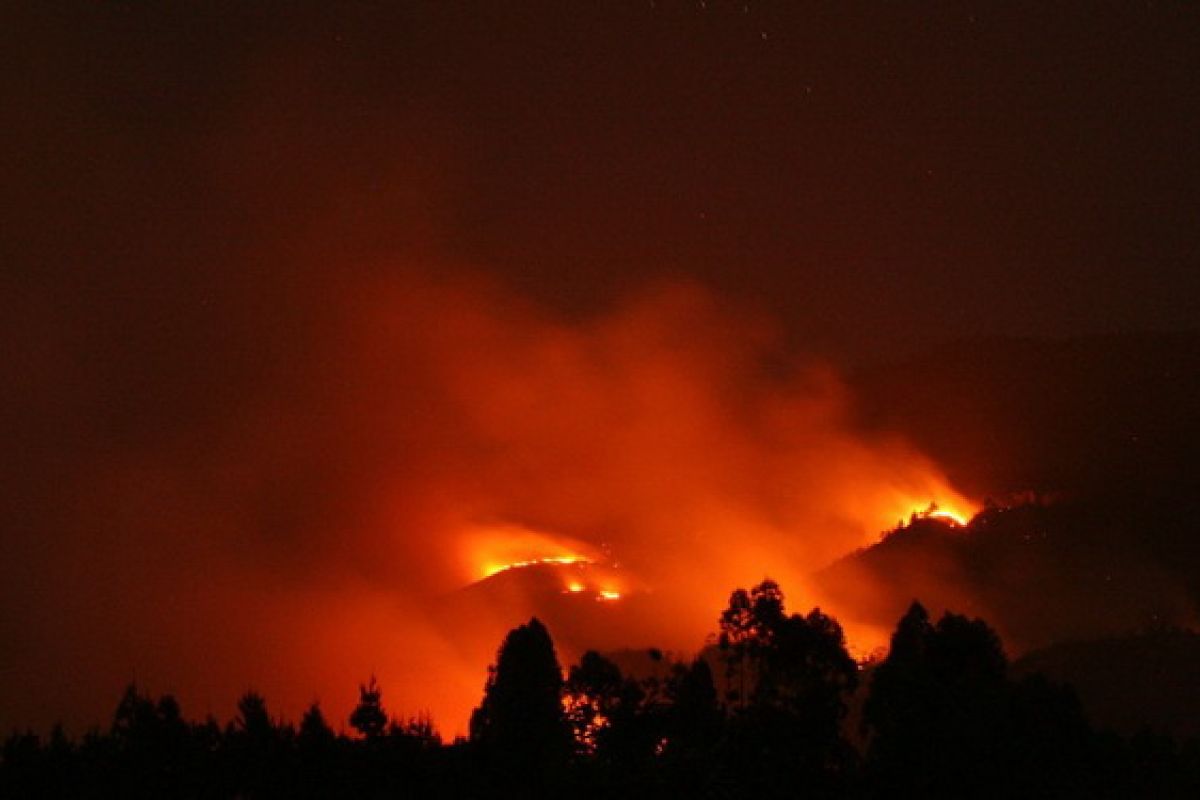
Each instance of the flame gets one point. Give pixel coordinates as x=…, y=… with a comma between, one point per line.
x=958, y=514
x=957, y=519
x=494, y=569
x=492, y=549
x=647, y=436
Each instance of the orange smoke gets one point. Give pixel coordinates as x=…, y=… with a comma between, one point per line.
x=491, y=549
x=430, y=433
x=670, y=441
x=956, y=517
x=670, y=436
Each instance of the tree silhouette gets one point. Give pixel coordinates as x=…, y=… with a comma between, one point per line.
x=806, y=669
x=747, y=626
x=521, y=722
x=692, y=732
x=314, y=732
x=620, y=720
x=695, y=715
x=135, y=721
x=368, y=717
x=793, y=674
x=254, y=745
x=151, y=742
x=938, y=712
x=253, y=720
x=942, y=719
x=593, y=693
x=792, y=662
x=316, y=756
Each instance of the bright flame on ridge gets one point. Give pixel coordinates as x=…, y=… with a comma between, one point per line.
x=494, y=569
x=959, y=516
x=957, y=519
x=488, y=550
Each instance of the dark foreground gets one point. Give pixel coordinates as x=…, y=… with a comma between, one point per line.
x=774, y=708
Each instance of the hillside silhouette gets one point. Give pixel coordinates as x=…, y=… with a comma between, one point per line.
x=1144, y=681
x=1043, y=571
x=776, y=708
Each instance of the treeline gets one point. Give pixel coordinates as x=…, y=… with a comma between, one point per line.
x=776, y=707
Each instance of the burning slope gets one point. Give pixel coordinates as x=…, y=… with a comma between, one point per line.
x=1037, y=571
x=492, y=569
x=551, y=587
x=579, y=573
x=958, y=519
x=491, y=549
x=425, y=433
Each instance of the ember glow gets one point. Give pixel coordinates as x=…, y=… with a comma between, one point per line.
x=955, y=510
x=957, y=519
x=475, y=448
x=499, y=548
x=642, y=451
x=491, y=569
x=341, y=341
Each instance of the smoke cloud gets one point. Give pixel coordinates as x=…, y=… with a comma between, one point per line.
x=297, y=536
x=265, y=409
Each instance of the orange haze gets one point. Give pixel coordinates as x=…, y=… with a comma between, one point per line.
x=419, y=434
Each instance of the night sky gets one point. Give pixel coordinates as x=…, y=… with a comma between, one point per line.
x=883, y=175
x=198, y=196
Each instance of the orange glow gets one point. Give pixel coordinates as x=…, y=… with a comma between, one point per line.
x=957, y=519
x=957, y=511
x=492, y=569
x=493, y=549
x=544, y=454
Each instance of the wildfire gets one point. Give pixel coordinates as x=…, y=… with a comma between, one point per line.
x=489, y=550
x=940, y=513
x=494, y=569
x=583, y=570
x=959, y=515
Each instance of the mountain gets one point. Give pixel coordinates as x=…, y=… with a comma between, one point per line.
x=585, y=606
x=1041, y=571
x=1127, y=683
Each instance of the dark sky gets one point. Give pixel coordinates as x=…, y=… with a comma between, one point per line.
x=882, y=175
x=197, y=196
